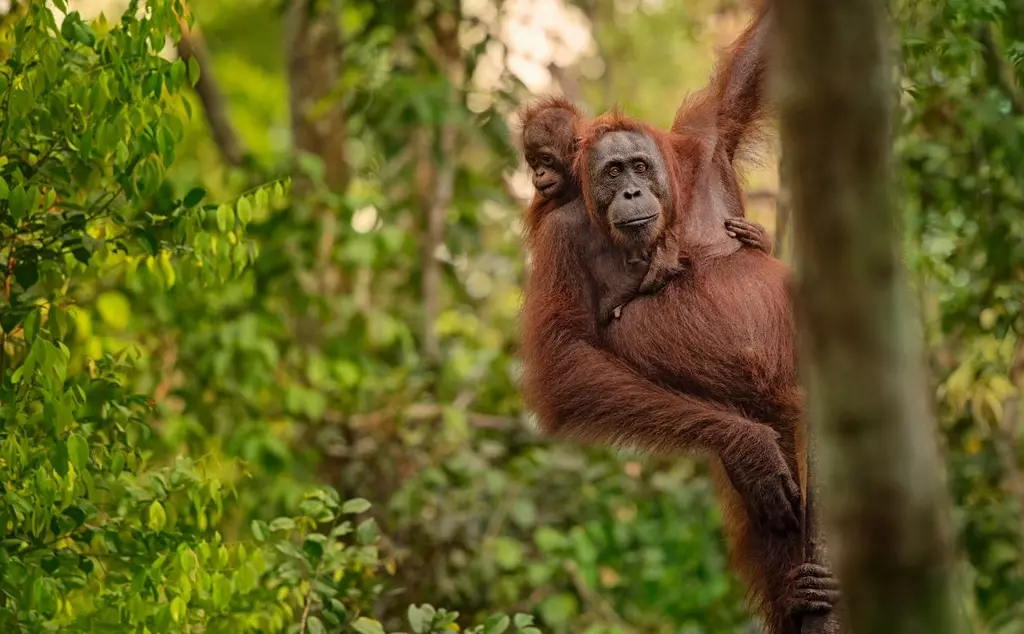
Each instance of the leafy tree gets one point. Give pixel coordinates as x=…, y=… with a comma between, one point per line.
x=108, y=525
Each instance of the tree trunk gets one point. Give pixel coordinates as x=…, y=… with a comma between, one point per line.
x=438, y=187
x=313, y=47
x=883, y=500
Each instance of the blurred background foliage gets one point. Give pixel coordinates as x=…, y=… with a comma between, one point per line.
x=260, y=306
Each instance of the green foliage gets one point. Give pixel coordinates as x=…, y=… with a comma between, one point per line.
x=961, y=143
x=108, y=524
x=216, y=412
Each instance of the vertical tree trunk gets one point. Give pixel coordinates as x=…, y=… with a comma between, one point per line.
x=435, y=201
x=441, y=153
x=883, y=500
x=313, y=48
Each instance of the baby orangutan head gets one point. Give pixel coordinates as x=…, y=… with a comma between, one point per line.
x=549, y=145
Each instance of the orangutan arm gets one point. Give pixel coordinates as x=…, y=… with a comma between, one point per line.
x=580, y=391
x=732, y=108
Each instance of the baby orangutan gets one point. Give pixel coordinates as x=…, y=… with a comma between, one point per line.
x=617, y=272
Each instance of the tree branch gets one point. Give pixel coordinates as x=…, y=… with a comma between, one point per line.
x=999, y=72
x=192, y=46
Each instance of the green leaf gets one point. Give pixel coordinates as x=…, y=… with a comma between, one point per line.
x=313, y=548
x=355, y=505
x=121, y=154
x=187, y=560
x=117, y=464
x=18, y=203
x=282, y=524
x=508, y=552
x=178, y=609
x=152, y=83
x=177, y=72
x=364, y=625
x=244, y=208
x=221, y=591
x=523, y=620
x=5, y=190
x=26, y=271
x=246, y=578
x=367, y=532
x=260, y=530
x=262, y=199
x=496, y=624
x=418, y=620
x=338, y=608
x=114, y=309
x=549, y=539
x=59, y=458
x=559, y=609
x=31, y=325
x=194, y=197
x=193, y=71
x=157, y=516
x=225, y=218
x=315, y=626
x=78, y=451
x=524, y=512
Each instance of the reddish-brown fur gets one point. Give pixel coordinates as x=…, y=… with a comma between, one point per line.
x=547, y=130
x=708, y=364
x=540, y=112
x=614, y=277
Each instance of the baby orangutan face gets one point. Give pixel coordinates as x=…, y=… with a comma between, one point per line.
x=548, y=143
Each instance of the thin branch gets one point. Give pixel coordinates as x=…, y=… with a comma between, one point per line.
x=999, y=72
x=594, y=598
x=435, y=209
x=192, y=46
x=309, y=596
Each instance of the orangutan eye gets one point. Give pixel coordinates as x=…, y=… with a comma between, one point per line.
x=640, y=167
x=614, y=171
x=546, y=159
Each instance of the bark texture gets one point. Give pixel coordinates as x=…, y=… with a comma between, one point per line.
x=883, y=501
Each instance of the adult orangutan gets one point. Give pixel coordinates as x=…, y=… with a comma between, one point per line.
x=708, y=363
